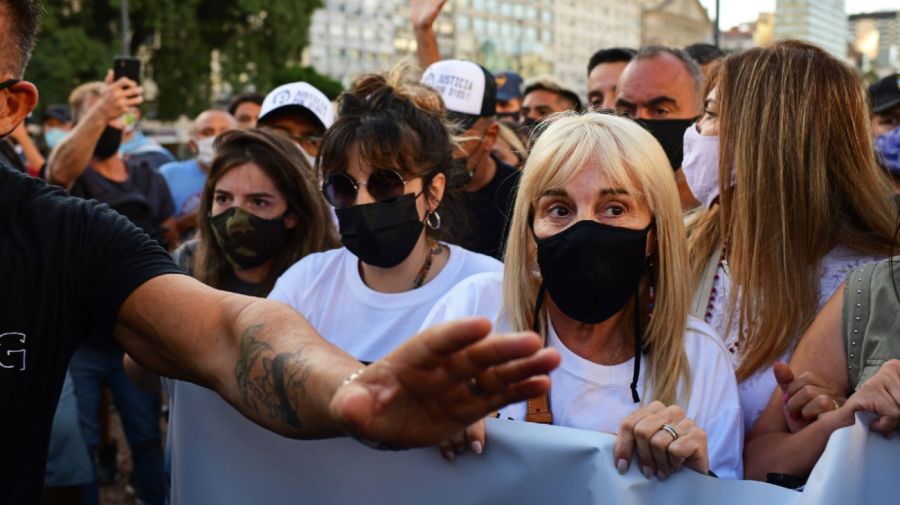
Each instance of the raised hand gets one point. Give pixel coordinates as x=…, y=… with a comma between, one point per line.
x=441, y=381
x=117, y=98
x=665, y=440
x=806, y=397
x=423, y=13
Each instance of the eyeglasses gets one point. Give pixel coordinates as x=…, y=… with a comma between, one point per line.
x=9, y=83
x=307, y=141
x=384, y=184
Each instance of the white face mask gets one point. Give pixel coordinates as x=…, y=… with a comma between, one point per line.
x=701, y=165
x=310, y=159
x=205, y=151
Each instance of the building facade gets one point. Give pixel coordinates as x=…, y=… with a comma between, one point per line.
x=532, y=37
x=821, y=22
x=876, y=40
x=675, y=23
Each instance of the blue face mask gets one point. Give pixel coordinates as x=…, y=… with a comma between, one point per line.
x=53, y=136
x=887, y=147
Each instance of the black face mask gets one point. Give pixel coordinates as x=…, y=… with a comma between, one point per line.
x=108, y=143
x=381, y=234
x=670, y=134
x=591, y=270
x=459, y=174
x=508, y=116
x=247, y=240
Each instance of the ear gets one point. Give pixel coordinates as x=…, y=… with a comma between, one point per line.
x=436, y=191
x=651, y=242
x=291, y=221
x=15, y=104
x=490, y=135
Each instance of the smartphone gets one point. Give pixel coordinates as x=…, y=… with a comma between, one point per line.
x=125, y=66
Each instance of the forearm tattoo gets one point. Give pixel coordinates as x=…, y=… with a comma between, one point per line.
x=267, y=381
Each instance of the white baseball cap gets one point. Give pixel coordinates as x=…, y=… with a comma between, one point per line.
x=298, y=94
x=468, y=89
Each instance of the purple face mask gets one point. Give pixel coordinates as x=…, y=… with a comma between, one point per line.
x=701, y=165
x=888, y=148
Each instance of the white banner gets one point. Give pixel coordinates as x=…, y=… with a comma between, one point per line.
x=523, y=463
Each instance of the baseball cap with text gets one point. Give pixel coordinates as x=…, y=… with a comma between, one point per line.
x=298, y=94
x=468, y=90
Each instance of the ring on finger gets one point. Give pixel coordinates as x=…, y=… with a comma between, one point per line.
x=836, y=404
x=475, y=388
x=668, y=428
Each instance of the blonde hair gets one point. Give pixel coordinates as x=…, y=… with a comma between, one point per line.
x=629, y=156
x=80, y=95
x=794, y=123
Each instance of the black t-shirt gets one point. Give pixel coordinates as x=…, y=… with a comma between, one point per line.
x=491, y=211
x=144, y=197
x=66, y=266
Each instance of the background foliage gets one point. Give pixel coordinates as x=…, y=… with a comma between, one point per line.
x=258, y=44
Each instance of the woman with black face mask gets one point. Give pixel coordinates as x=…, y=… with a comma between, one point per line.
x=596, y=263
x=383, y=164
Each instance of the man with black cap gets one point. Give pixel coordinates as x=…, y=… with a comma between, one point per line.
x=469, y=92
x=884, y=96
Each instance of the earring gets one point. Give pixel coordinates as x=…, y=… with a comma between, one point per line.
x=433, y=219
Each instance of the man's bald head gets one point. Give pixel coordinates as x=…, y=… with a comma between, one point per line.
x=212, y=123
x=18, y=26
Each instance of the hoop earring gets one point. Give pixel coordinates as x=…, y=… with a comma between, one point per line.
x=433, y=220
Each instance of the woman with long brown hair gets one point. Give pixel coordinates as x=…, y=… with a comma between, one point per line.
x=260, y=212
x=798, y=201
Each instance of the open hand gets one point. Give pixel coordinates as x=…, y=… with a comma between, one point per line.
x=423, y=13
x=422, y=393
x=661, y=452
x=806, y=397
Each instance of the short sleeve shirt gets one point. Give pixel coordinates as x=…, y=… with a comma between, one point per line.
x=66, y=267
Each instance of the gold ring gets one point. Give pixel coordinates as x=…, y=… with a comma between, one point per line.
x=475, y=388
x=668, y=428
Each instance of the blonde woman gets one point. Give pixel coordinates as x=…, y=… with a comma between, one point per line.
x=596, y=263
x=797, y=201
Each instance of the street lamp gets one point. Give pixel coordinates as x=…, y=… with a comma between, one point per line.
x=125, y=29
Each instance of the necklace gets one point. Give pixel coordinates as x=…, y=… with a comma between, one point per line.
x=713, y=293
x=434, y=249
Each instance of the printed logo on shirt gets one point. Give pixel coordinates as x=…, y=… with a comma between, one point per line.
x=12, y=351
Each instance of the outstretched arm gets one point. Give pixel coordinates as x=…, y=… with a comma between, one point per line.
x=270, y=364
x=423, y=13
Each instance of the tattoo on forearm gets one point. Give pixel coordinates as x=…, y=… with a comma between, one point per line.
x=267, y=381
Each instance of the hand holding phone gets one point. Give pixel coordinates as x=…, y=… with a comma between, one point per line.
x=124, y=66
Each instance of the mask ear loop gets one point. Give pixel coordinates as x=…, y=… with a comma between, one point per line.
x=637, y=350
x=535, y=325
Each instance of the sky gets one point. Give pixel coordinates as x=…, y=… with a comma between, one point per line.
x=735, y=12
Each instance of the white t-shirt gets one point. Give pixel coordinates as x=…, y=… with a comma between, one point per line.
x=327, y=289
x=596, y=397
x=757, y=389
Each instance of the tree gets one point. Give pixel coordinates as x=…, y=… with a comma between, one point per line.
x=254, y=39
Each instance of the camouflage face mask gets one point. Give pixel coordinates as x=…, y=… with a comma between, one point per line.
x=247, y=240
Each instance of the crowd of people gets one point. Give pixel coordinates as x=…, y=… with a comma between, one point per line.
x=705, y=247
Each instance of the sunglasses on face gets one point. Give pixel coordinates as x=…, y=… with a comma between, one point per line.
x=384, y=184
